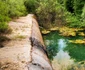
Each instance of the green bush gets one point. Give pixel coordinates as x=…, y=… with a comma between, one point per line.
x=72, y=21
x=3, y=8
x=50, y=12
x=16, y=8
x=3, y=11
x=3, y=27
x=4, y=18
x=83, y=17
x=12, y=8
x=8, y=10
x=47, y=11
x=76, y=21
x=31, y=5
x=83, y=13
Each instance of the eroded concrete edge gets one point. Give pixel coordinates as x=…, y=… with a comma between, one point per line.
x=40, y=60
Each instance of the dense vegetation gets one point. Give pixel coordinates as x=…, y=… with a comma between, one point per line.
x=58, y=12
x=10, y=9
x=49, y=12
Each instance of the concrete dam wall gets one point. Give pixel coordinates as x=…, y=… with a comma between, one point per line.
x=25, y=50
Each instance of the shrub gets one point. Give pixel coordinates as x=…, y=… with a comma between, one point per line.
x=12, y=8
x=72, y=21
x=3, y=27
x=50, y=12
x=47, y=12
x=4, y=18
x=31, y=5
x=3, y=8
x=56, y=12
x=3, y=11
x=16, y=8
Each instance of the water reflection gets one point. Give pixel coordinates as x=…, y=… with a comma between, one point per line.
x=48, y=42
x=62, y=59
x=61, y=44
x=59, y=48
x=52, y=50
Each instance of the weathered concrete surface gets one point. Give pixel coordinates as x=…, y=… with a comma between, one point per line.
x=20, y=53
x=15, y=55
x=39, y=55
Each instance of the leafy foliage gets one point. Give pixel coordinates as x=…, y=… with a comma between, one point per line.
x=73, y=21
x=57, y=12
x=52, y=13
x=8, y=10
x=75, y=8
x=12, y=8
x=48, y=12
x=78, y=5
x=3, y=27
x=16, y=8
x=31, y=5
x=3, y=12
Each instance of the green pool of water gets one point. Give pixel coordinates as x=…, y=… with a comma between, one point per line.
x=76, y=51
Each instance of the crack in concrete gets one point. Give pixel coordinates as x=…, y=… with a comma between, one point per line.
x=39, y=59
x=35, y=42
x=32, y=64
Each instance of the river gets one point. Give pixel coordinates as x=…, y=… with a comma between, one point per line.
x=64, y=54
